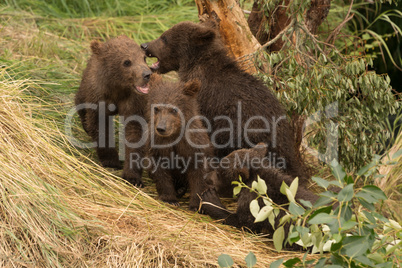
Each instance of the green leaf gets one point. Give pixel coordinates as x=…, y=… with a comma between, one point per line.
x=278, y=237
x=225, y=260
x=369, y=217
x=354, y=246
x=285, y=219
x=294, y=237
x=376, y=257
x=293, y=186
x=326, y=210
x=336, y=183
x=371, y=194
x=329, y=194
x=366, y=204
x=251, y=259
x=364, y=169
x=254, y=208
x=267, y=201
x=291, y=262
x=322, y=218
x=276, y=263
x=364, y=260
x=321, y=182
x=261, y=186
x=337, y=170
x=283, y=188
x=254, y=185
x=236, y=190
x=271, y=219
x=368, y=169
x=380, y=217
x=263, y=214
x=290, y=195
x=306, y=203
x=295, y=209
x=320, y=263
x=336, y=246
x=322, y=201
x=337, y=237
x=348, y=225
x=346, y=194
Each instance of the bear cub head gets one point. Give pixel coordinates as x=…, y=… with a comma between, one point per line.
x=172, y=104
x=122, y=65
x=179, y=45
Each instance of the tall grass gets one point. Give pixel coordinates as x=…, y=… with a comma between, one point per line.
x=391, y=183
x=100, y=8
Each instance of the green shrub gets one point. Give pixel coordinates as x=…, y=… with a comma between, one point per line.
x=353, y=231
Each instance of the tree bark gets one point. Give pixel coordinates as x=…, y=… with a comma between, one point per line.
x=233, y=27
x=278, y=20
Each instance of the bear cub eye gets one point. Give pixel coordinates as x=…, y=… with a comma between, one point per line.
x=127, y=63
x=156, y=109
x=175, y=110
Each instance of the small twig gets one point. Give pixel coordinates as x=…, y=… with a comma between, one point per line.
x=279, y=35
x=336, y=31
x=124, y=211
x=304, y=28
x=213, y=205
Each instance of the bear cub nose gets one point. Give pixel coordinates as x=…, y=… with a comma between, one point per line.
x=161, y=129
x=146, y=75
x=144, y=46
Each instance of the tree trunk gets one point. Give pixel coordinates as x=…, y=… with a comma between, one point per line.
x=233, y=27
x=278, y=20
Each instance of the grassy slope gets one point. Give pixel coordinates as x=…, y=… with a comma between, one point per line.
x=57, y=206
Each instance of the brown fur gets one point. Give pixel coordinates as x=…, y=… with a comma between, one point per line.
x=195, y=51
x=115, y=72
x=171, y=106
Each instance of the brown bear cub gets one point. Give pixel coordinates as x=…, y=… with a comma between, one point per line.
x=178, y=143
x=241, y=110
x=248, y=163
x=114, y=82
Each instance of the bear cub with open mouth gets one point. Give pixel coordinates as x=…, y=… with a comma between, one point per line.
x=115, y=82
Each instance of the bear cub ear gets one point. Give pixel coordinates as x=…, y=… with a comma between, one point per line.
x=192, y=87
x=96, y=47
x=260, y=150
x=203, y=34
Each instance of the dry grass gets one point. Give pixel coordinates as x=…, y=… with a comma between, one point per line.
x=58, y=208
x=391, y=184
